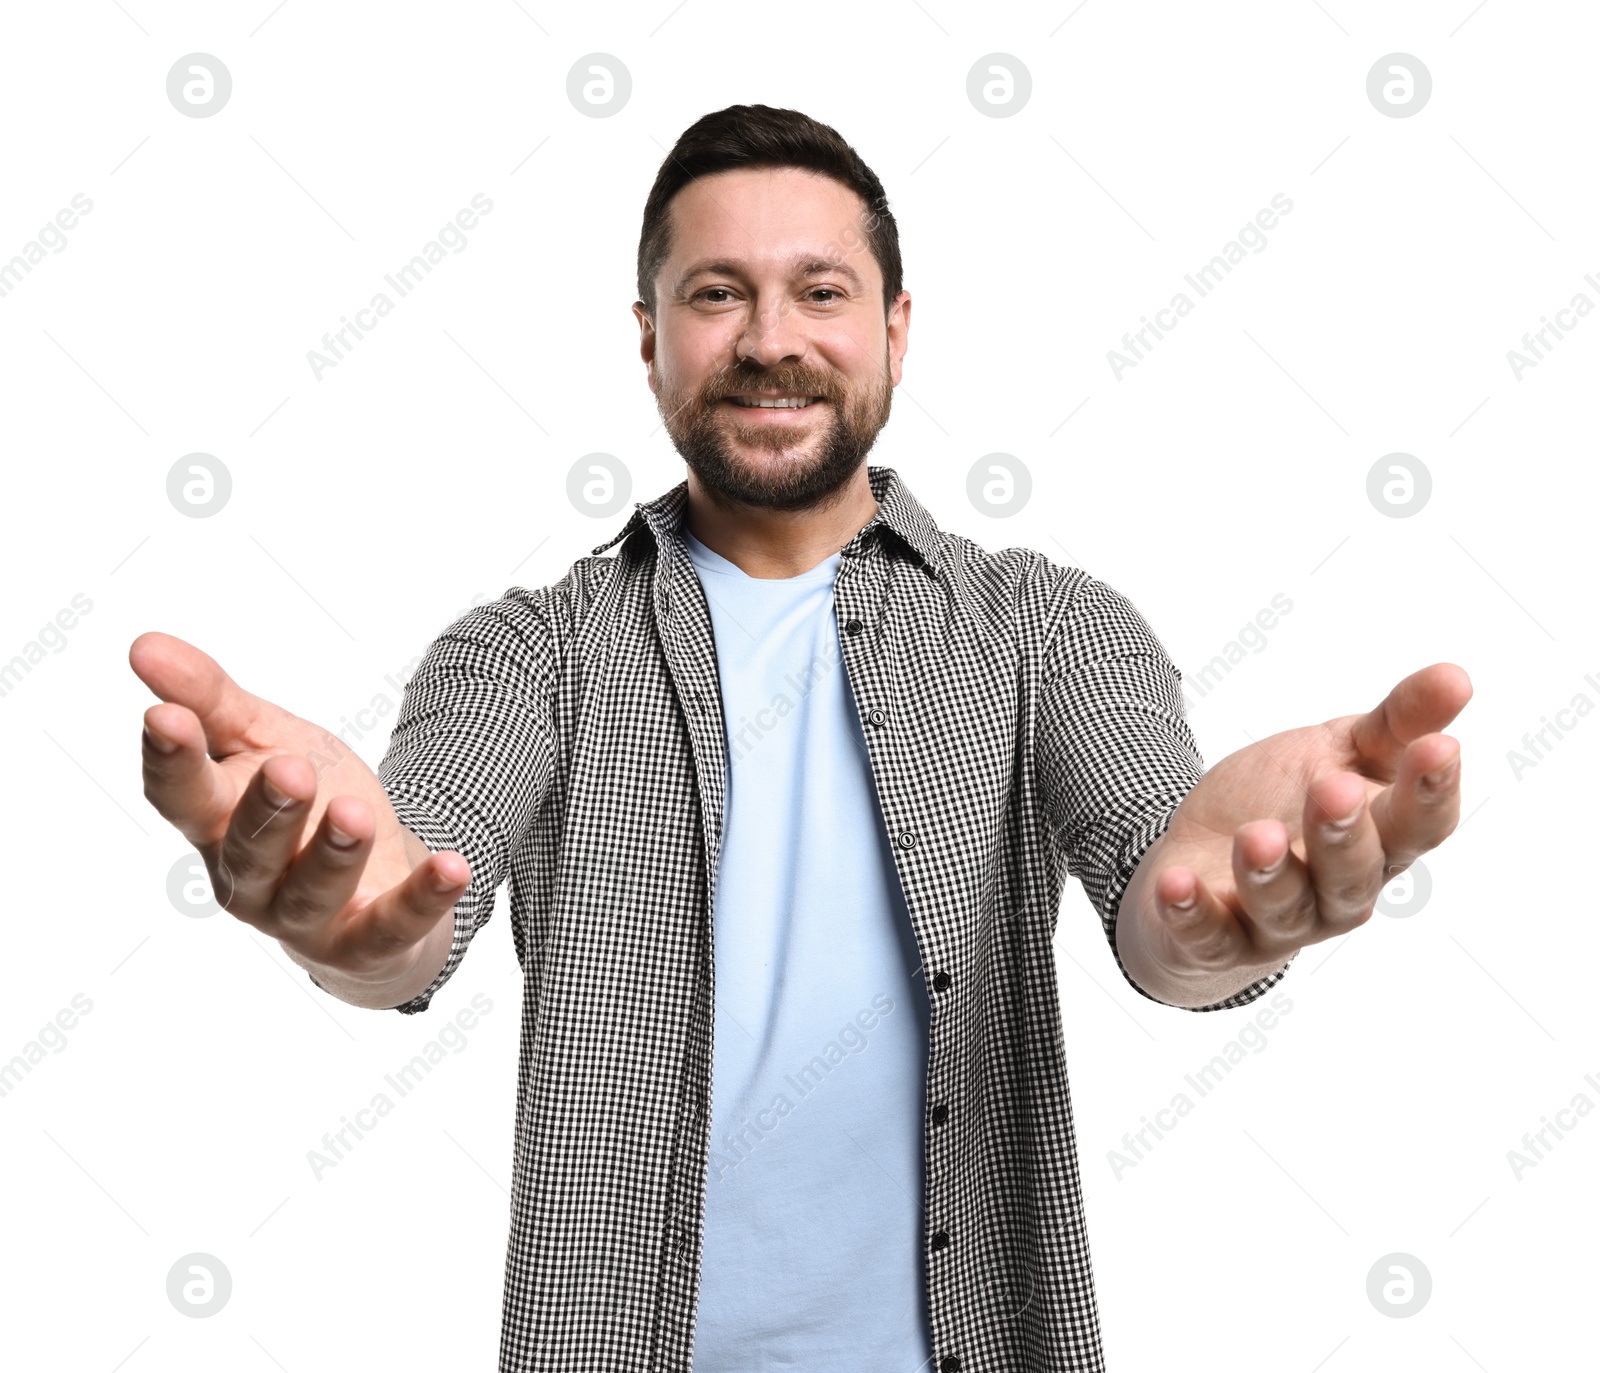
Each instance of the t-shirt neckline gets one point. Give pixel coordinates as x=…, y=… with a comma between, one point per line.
x=707, y=559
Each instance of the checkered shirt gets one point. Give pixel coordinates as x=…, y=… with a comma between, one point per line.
x=1023, y=723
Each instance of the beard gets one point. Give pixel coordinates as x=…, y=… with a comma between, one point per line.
x=809, y=466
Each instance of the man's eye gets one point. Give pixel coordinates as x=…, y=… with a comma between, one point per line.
x=711, y=289
x=825, y=290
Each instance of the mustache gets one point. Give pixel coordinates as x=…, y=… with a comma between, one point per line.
x=798, y=380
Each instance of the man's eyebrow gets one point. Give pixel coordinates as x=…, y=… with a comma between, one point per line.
x=801, y=268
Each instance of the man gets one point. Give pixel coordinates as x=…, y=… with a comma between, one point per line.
x=786, y=788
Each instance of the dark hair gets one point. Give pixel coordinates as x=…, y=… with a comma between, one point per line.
x=761, y=136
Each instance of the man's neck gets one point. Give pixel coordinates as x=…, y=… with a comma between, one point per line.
x=780, y=543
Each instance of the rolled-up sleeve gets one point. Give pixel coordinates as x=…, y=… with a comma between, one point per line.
x=470, y=760
x=1116, y=755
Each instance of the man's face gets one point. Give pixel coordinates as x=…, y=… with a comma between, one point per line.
x=771, y=293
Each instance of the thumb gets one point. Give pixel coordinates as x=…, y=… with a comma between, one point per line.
x=1423, y=702
x=180, y=673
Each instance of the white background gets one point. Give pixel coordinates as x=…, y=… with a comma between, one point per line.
x=427, y=471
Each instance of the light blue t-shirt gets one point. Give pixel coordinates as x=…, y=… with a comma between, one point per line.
x=813, y=1239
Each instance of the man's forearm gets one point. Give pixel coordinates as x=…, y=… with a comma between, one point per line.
x=1139, y=930
x=412, y=975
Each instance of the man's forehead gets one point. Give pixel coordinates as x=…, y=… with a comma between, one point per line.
x=748, y=208
x=744, y=222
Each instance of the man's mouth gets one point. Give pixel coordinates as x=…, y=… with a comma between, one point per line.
x=759, y=402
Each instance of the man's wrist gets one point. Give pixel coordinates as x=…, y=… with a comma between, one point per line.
x=411, y=973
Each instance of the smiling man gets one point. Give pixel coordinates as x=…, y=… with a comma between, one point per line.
x=786, y=788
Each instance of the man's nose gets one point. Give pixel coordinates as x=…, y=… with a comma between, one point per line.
x=771, y=336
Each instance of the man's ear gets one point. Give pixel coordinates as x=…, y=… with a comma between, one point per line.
x=898, y=326
x=647, y=342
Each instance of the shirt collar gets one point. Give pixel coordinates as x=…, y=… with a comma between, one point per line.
x=898, y=511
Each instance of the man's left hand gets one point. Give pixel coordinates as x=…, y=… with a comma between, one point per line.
x=1289, y=842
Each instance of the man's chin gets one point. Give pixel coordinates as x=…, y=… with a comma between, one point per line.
x=771, y=472
x=790, y=478
x=778, y=452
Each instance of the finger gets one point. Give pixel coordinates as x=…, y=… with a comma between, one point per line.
x=1420, y=704
x=1278, y=904
x=1344, y=854
x=186, y=787
x=263, y=836
x=179, y=672
x=1423, y=807
x=401, y=917
x=323, y=877
x=1200, y=930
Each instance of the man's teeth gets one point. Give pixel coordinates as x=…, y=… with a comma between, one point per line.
x=774, y=403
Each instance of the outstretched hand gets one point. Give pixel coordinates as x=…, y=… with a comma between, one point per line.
x=1290, y=841
x=244, y=780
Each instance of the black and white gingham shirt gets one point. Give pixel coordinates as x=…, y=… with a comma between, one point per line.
x=1023, y=723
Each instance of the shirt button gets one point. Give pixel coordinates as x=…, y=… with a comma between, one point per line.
x=949, y=1364
x=941, y=1113
x=940, y=1239
x=877, y=715
x=908, y=839
x=853, y=627
x=941, y=981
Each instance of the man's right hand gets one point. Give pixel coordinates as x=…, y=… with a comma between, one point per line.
x=361, y=896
